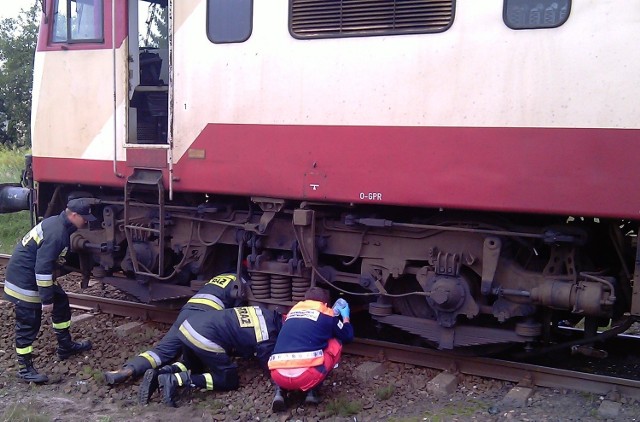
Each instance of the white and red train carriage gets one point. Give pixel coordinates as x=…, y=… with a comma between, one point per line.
x=466, y=169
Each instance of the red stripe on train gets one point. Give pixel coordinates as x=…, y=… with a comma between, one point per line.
x=559, y=171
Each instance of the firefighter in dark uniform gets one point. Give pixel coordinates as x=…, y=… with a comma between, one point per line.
x=222, y=291
x=309, y=346
x=30, y=285
x=210, y=337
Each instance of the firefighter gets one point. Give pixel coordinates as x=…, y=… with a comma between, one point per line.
x=31, y=286
x=309, y=346
x=209, y=338
x=222, y=291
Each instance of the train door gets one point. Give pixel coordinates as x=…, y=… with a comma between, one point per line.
x=148, y=72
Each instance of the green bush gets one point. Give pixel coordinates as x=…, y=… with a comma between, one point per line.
x=12, y=226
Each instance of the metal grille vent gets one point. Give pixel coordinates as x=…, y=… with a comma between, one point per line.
x=360, y=18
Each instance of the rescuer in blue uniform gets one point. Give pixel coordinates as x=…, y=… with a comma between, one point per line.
x=309, y=345
x=222, y=291
x=30, y=285
x=209, y=337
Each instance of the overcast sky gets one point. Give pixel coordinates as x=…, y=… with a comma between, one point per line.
x=11, y=8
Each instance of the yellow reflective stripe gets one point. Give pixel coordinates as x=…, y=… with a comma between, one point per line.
x=35, y=233
x=251, y=316
x=151, y=357
x=181, y=366
x=44, y=283
x=260, y=329
x=206, y=302
x=44, y=277
x=199, y=340
x=209, y=379
x=62, y=325
x=24, y=350
x=31, y=297
x=179, y=378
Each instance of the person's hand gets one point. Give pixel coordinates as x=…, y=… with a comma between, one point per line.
x=345, y=311
x=47, y=308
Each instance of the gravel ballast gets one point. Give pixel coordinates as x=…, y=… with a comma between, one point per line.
x=77, y=391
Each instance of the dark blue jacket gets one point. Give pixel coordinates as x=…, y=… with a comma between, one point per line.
x=306, y=333
x=29, y=276
x=246, y=331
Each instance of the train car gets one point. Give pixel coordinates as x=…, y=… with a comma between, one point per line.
x=461, y=170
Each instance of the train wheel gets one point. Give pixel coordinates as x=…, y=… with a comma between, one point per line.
x=410, y=305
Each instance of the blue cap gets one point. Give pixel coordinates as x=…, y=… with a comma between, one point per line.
x=81, y=207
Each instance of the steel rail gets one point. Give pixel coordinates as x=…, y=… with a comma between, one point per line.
x=118, y=307
x=522, y=373
x=518, y=372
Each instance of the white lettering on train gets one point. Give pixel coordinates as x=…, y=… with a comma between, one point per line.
x=371, y=196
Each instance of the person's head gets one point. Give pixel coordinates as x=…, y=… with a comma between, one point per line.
x=230, y=289
x=317, y=294
x=79, y=212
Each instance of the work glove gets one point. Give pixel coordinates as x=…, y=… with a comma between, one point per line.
x=339, y=304
x=345, y=311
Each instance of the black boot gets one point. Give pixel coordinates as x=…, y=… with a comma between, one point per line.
x=278, y=404
x=26, y=371
x=312, y=397
x=68, y=347
x=150, y=384
x=169, y=384
x=116, y=377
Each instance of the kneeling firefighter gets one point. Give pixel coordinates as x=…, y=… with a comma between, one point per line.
x=222, y=291
x=208, y=339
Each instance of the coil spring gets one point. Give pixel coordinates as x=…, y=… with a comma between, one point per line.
x=280, y=287
x=300, y=287
x=260, y=286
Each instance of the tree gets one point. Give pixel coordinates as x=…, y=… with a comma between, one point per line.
x=156, y=33
x=18, y=37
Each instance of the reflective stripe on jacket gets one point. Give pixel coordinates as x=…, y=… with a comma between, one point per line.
x=34, y=259
x=216, y=294
x=305, y=334
x=247, y=330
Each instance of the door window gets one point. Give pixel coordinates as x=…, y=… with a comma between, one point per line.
x=78, y=21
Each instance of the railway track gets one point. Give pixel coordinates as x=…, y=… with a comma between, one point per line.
x=525, y=374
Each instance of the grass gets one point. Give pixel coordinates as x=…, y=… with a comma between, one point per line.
x=385, y=393
x=343, y=407
x=22, y=413
x=12, y=226
x=89, y=372
x=455, y=410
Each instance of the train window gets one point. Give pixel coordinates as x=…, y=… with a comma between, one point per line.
x=77, y=21
x=365, y=18
x=229, y=21
x=535, y=14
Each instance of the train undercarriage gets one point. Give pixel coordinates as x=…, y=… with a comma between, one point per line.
x=453, y=279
